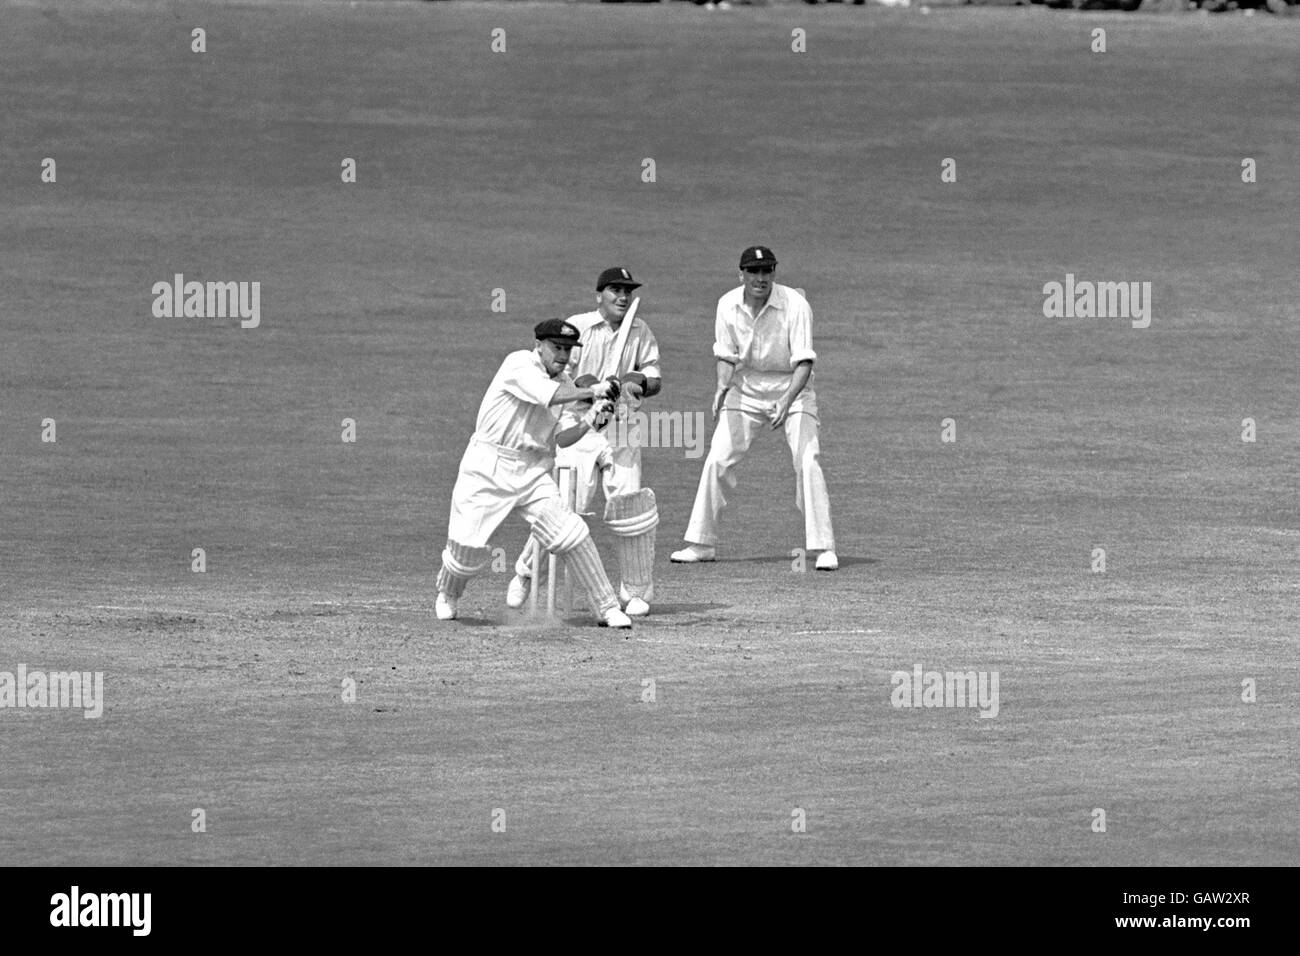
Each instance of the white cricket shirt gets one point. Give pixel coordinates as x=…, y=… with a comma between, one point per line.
x=766, y=347
x=516, y=411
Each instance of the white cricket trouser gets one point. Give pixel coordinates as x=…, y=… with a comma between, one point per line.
x=731, y=440
x=622, y=478
x=492, y=483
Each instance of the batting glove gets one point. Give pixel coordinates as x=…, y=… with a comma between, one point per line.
x=606, y=389
x=598, y=417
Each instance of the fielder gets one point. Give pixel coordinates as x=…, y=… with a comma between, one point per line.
x=763, y=344
x=608, y=457
x=508, y=465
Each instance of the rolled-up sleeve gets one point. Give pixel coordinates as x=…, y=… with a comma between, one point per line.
x=647, y=361
x=801, y=347
x=725, y=346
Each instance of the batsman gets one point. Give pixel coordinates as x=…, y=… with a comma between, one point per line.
x=508, y=465
x=614, y=343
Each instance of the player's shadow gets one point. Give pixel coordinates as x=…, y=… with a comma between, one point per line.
x=659, y=611
x=845, y=561
x=667, y=610
x=464, y=620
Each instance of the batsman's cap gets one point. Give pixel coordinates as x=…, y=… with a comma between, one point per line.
x=757, y=257
x=616, y=275
x=556, y=330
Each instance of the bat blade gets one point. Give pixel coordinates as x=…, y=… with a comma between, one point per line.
x=624, y=331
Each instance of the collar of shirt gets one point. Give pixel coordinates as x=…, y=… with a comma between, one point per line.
x=537, y=360
x=775, y=302
x=604, y=326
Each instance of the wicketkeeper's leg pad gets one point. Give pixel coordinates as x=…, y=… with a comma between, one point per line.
x=583, y=562
x=633, y=518
x=460, y=562
x=558, y=529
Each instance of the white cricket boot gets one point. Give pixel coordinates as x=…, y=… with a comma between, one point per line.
x=616, y=618
x=693, y=554
x=826, y=561
x=517, y=592
x=445, y=607
x=635, y=606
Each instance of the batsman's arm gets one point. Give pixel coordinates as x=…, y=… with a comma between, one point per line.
x=568, y=436
x=565, y=394
x=590, y=420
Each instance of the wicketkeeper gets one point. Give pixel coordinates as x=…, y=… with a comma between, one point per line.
x=508, y=465
x=608, y=456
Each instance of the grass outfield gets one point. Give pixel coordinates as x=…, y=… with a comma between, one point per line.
x=522, y=171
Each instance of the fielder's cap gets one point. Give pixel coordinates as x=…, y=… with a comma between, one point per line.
x=757, y=257
x=556, y=330
x=616, y=276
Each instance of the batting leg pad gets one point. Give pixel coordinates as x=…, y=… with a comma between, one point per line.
x=460, y=562
x=559, y=530
x=633, y=518
x=583, y=562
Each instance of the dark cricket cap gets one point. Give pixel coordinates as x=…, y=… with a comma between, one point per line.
x=556, y=330
x=616, y=275
x=757, y=257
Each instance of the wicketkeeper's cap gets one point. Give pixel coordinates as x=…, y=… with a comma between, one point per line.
x=616, y=276
x=757, y=257
x=556, y=330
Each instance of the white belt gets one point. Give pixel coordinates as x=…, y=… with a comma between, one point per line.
x=519, y=454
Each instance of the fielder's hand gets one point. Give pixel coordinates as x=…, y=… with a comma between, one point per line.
x=780, y=412
x=718, y=398
x=605, y=459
